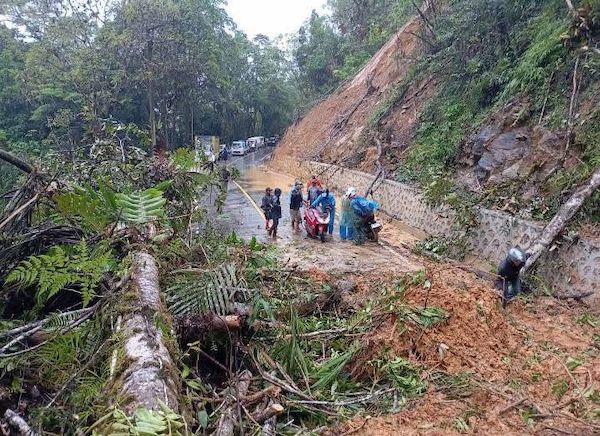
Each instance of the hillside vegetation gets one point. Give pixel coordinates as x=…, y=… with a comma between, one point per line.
x=501, y=98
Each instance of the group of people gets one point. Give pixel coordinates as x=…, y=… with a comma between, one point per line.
x=354, y=208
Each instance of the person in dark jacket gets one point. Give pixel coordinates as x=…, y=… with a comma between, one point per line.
x=275, y=212
x=296, y=202
x=509, y=280
x=266, y=205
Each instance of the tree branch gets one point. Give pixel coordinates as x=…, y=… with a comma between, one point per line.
x=14, y=160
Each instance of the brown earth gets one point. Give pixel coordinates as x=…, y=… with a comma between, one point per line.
x=520, y=353
x=332, y=130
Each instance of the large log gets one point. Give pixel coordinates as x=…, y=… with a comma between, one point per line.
x=14, y=160
x=18, y=424
x=148, y=376
x=560, y=220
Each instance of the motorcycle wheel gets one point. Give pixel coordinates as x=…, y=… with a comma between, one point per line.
x=322, y=236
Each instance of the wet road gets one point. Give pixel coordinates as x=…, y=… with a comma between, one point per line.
x=242, y=214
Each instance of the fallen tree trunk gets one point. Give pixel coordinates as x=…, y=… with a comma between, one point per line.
x=560, y=220
x=18, y=424
x=14, y=160
x=149, y=376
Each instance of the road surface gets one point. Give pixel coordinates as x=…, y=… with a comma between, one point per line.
x=242, y=214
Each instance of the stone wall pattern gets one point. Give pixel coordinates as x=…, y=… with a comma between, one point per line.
x=572, y=267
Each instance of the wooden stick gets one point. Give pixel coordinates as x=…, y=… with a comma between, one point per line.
x=19, y=210
x=511, y=406
x=271, y=391
x=227, y=421
x=269, y=412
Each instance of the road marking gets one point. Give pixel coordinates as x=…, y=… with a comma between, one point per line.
x=243, y=191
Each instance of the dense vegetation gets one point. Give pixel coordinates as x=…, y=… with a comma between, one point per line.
x=177, y=68
x=487, y=61
x=329, y=49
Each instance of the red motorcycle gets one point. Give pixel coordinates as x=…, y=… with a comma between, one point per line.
x=316, y=222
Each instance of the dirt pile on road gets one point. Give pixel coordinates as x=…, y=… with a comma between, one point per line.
x=533, y=368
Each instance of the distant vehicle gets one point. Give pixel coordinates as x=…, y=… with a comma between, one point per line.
x=256, y=142
x=207, y=147
x=272, y=141
x=239, y=148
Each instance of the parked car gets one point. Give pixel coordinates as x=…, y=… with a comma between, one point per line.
x=271, y=141
x=256, y=142
x=239, y=148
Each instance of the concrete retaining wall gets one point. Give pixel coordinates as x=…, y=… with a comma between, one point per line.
x=573, y=267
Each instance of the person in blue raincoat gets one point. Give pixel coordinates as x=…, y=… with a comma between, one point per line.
x=323, y=201
x=363, y=209
x=346, y=226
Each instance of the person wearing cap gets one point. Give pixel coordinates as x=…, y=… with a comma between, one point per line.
x=266, y=205
x=296, y=200
x=346, y=225
x=509, y=280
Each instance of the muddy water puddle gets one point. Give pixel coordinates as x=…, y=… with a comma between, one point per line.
x=335, y=254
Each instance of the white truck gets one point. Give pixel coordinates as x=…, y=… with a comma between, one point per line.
x=207, y=147
x=256, y=142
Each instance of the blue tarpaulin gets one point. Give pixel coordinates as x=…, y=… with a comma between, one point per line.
x=363, y=207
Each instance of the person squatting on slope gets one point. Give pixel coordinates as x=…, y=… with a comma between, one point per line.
x=509, y=280
x=326, y=201
x=266, y=205
x=346, y=226
x=296, y=201
x=275, y=212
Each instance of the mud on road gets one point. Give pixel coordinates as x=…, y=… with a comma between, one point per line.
x=531, y=369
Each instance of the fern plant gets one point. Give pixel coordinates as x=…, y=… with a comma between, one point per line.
x=94, y=208
x=141, y=207
x=76, y=265
x=216, y=291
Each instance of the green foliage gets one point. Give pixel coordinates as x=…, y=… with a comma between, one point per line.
x=184, y=158
x=442, y=129
x=560, y=388
x=403, y=375
x=62, y=266
x=95, y=208
x=213, y=291
x=588, y=319
x=141, y=207
x=329, y=372
x=425, y=317
x=145, y=422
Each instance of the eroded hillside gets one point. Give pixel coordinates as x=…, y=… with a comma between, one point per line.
x=508, y=107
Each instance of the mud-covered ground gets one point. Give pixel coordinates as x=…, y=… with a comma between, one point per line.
x=531, y=368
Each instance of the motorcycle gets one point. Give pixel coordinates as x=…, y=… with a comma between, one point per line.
x=316, y=222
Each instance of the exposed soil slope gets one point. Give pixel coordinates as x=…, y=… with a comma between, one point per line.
x=331, y=131
x=530, y=369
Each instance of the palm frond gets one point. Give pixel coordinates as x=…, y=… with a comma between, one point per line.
x=142, y=207
x=215, y=291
